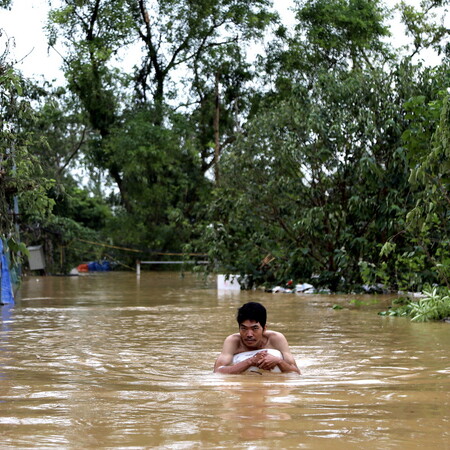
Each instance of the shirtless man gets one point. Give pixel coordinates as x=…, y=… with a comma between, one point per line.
x=253, y=335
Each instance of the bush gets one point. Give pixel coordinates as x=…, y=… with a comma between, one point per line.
x=434, y=305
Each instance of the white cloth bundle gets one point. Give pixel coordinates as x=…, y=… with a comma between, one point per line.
x=245, y=355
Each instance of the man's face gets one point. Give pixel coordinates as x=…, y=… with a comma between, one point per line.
x=251, y=333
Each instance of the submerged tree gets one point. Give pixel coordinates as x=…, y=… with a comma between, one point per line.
x=314, y=157
x=430, y=175
x=319, y=180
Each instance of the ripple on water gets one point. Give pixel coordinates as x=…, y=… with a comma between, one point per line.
x=112, y=361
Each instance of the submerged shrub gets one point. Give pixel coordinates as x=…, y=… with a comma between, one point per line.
x=434, y=305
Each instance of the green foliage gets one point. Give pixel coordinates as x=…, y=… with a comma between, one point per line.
x=343, y=29
x=337, y=307
x=314, y=183
x=375, y=275
x=157, y=158
x=60, y=131
x=21, y=176
x=418, y=254
x=406, y=270
x=18, y=250
x=434, y=305
x=82, y=207
x=422, y=26
x=427, y=141
x=334, y=150
x=318, y=182
x=163, y=179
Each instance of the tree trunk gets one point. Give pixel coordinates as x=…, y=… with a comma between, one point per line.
x=216, y=130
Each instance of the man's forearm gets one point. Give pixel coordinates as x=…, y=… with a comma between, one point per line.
x=236, y=368
x=287, y=367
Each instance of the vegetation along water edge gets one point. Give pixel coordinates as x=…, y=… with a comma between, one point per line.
x=316, y=150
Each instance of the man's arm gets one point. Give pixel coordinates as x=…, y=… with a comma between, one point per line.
x=226, y=357
x=240, y=367
x=223, y=362
x=287, y=363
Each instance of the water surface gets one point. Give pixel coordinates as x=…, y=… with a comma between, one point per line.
x=111, y=360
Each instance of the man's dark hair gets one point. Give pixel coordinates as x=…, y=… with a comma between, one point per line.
x=252, y=311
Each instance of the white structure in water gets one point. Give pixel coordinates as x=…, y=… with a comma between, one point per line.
x=228, y=283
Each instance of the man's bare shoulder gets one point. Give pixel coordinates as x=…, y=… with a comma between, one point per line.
x=275, y=337
x=232, y=342
x=233, y=345
x=274, y=334
x=233, y=338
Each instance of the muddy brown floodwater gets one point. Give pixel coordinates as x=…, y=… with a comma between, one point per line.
x=112, y=360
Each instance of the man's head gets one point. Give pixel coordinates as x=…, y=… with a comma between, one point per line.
x=252, y=311
x=251, y=318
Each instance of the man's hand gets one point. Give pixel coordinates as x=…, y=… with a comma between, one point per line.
x=268, y=361
x=257, y=358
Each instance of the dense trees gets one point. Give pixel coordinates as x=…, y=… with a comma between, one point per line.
x=21, y=175
x=319, y=183
x=152, y=123
x=322, y=157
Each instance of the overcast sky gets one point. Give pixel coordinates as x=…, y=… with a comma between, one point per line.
x=24, y=24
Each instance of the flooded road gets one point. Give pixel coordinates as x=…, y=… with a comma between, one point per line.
x=111, y=360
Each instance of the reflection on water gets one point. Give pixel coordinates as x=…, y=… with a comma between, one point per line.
x=109, y=360
x=253, y=411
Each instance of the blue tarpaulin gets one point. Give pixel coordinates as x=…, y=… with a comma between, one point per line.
x=6, y=291
x=102, y=266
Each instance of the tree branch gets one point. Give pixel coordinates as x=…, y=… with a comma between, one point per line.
x=72, y=155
